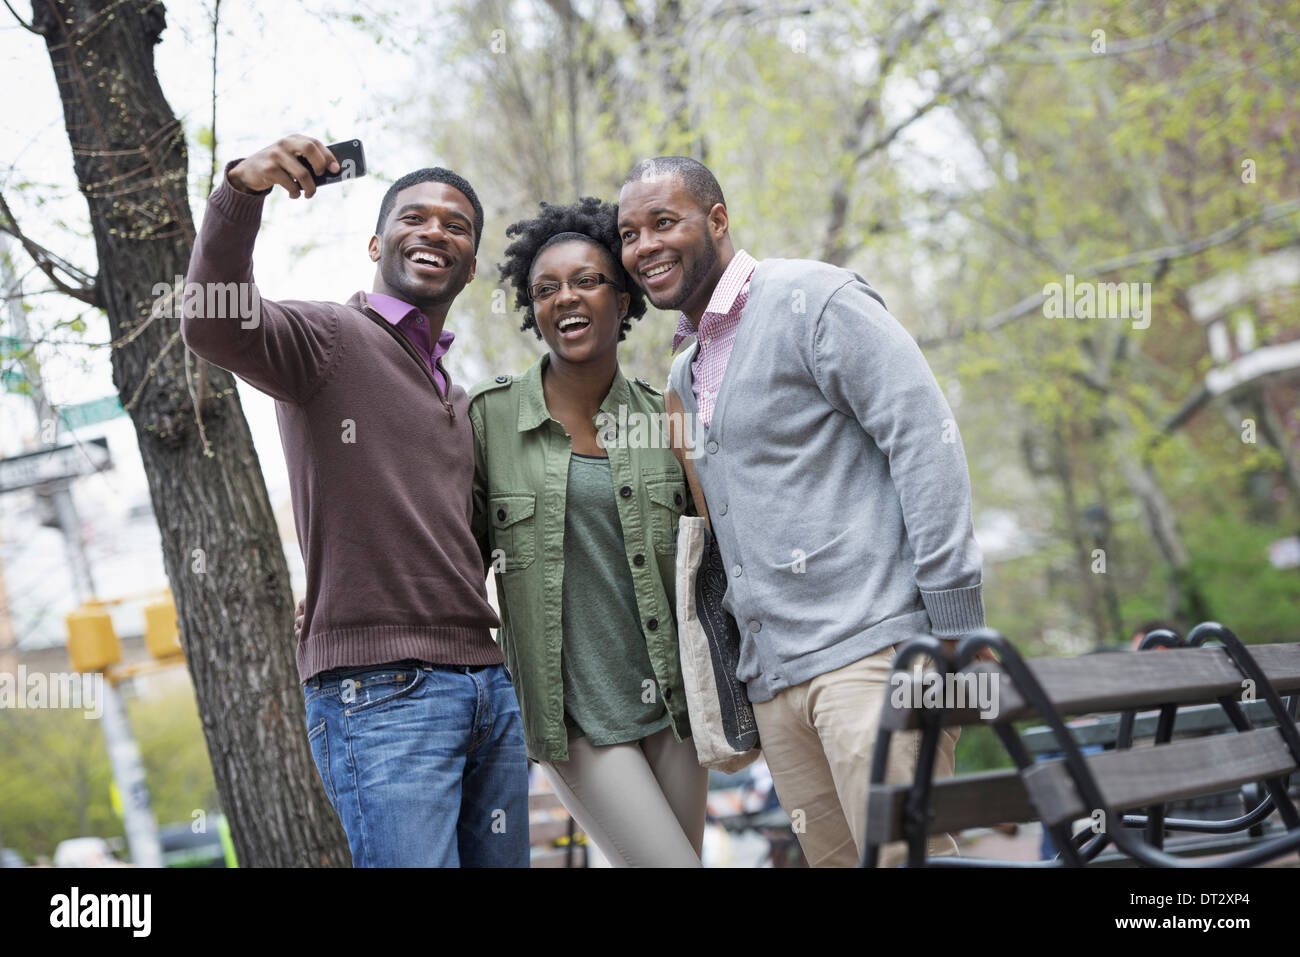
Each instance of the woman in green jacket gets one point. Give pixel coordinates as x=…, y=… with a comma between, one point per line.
x=576, y=501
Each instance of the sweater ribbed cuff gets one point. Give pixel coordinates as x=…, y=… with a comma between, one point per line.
x=955, y=611
x=236, y=206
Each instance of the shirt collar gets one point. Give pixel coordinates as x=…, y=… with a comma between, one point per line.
x=394, y=310
x=729, y=287
x=532, y=400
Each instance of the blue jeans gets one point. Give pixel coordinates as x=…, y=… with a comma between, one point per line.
x=424, y=764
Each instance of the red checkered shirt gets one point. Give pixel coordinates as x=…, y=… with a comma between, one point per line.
x=717, y=332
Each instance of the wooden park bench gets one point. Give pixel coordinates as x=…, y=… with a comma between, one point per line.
x=1121, y=792
x=554, y=839
x=1205, y=835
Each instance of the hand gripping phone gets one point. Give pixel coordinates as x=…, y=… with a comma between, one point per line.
x=352, y=163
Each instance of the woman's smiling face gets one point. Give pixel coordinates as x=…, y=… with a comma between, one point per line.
x=581, y=321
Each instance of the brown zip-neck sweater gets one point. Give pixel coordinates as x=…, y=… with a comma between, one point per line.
x=381, y=463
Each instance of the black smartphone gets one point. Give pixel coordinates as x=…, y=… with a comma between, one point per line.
x=352, y=163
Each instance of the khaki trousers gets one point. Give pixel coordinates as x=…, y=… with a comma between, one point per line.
x=641, y=802
x=818, y=738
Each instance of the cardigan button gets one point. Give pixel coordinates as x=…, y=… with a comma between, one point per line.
x=652, y=624
x=625, y=491
x=638, y=559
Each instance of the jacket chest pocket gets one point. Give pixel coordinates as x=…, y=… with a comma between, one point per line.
x=667, y=502
x=514, y=530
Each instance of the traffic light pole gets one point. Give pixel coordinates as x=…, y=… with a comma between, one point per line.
x=128, y=773
x=123, y=752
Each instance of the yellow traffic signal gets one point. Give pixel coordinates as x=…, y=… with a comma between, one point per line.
x=92, y=642
x=161, y=635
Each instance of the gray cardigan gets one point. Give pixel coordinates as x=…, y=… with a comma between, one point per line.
x=835, y=480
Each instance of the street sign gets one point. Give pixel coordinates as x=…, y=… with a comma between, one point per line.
x=90, y=413
x=49, y=465
x=11, y=380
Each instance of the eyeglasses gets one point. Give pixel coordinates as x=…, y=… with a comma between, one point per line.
x=587, y=282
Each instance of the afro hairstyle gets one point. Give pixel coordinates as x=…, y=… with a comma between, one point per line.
x=588, y=220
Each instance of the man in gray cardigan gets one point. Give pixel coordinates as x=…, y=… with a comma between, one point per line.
x=835, y=483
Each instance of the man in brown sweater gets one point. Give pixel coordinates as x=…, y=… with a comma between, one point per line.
x=411, y=717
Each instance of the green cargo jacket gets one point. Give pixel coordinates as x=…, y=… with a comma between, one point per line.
x=521, y=474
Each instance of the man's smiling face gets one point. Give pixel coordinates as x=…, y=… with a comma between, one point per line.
x=669, y=243
x=426, y=251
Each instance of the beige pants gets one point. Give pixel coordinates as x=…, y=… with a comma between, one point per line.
x=818, y=738
x=641, y=802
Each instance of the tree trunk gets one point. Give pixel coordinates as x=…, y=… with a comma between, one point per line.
x=220, y=544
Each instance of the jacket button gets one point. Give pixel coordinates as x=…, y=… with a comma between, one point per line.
x=625, y=491
x=723, y=509
x=668, y=693
x=652, y=624
x=501, y=515
x=677, y=498
x=713, y=446
x=736, y=571
x=755, y=626
x=638, y=559
x=503, y=378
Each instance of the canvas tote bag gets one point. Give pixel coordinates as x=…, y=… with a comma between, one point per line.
x=722, y=719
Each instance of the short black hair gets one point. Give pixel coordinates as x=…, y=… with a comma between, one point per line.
x=432, y=174
x=587, y=220
x=698, y=179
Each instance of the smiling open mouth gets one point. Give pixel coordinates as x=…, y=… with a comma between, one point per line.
x=572, y=325
x=427, y=257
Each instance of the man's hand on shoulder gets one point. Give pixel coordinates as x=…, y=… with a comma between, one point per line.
x=281, y=164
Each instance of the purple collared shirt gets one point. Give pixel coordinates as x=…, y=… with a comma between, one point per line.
x=413, y=324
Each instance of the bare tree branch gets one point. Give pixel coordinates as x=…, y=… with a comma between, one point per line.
x=1121, y=47
x=861, y=145
x=1163, y=256
x=21, y=22
x=86, y=288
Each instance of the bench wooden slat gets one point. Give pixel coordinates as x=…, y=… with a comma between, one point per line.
x=1104, y=730
x=972, y=800
x=1141, y=776
x=1118, y=681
